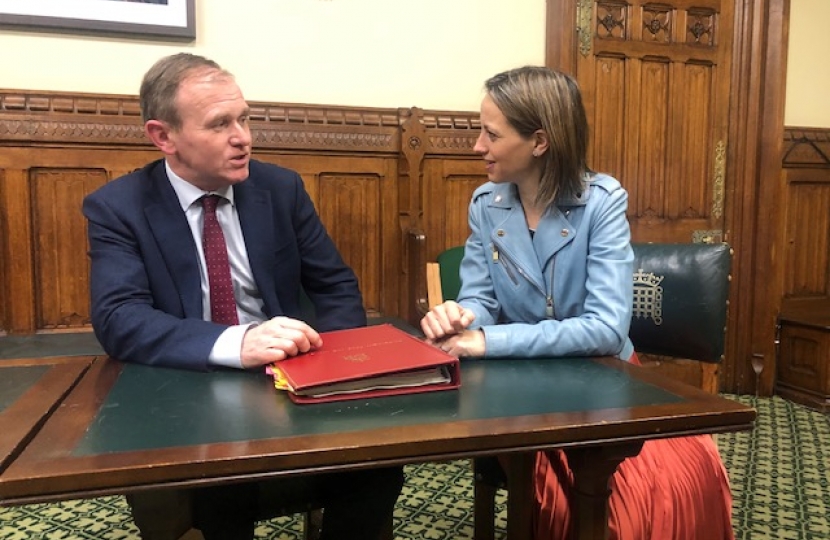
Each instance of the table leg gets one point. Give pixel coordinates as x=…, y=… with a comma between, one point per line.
x=592, y=469
x=519, y=472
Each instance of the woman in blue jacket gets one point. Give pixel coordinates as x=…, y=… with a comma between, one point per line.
x=547, y=271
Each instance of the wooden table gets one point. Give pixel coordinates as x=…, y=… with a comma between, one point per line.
x=125, y=428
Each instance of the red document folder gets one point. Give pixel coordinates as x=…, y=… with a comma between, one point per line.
x=365, y=362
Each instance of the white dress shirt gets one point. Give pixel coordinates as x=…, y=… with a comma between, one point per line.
x=228, y=348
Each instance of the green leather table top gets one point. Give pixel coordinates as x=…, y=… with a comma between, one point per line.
x=16, y=381
x=110, y=427
x=151, y=408
x=30, y=390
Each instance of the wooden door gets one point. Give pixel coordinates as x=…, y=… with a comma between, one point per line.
x=656, y=82
x=655, y=78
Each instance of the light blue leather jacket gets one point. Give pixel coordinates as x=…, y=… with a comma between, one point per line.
x=566, y=291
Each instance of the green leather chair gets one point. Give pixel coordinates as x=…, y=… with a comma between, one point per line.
x=680, y=309
x=443, y=280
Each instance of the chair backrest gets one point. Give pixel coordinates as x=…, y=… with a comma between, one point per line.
x=443, y=279
x=680, y=300
x=449, y=262
x=680, y=297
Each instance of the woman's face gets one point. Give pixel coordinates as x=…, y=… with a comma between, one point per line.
x=508, y=156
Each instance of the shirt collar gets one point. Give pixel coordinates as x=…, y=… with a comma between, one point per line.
x=187, y=193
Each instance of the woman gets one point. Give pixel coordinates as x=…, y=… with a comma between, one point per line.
x=547, y=271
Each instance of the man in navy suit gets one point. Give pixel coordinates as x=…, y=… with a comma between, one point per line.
x=150, y=288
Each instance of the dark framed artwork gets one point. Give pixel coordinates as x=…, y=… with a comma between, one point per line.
x=172, y=19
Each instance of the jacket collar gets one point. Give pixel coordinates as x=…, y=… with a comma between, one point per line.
x=510, y=233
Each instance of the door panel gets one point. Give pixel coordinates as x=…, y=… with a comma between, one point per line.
x=655, y=78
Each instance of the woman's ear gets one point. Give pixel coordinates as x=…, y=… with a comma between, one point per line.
x=159, y=134
x=540, y=142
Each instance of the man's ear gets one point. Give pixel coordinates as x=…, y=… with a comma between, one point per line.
x=159, y=134
x=541, y=142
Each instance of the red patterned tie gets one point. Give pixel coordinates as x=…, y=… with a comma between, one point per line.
x=222, y=301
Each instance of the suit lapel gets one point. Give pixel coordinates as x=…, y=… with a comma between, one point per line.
x=256, y=218
x=172, y=233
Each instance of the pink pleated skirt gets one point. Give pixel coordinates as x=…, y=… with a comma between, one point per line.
x=674, y=489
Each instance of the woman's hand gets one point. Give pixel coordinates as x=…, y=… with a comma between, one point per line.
x=277, y=339
x=467, y=343
x=446, y=319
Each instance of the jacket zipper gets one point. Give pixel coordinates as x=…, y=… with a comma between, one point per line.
x=508, y=264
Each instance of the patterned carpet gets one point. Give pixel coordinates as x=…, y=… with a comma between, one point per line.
x=778, y=473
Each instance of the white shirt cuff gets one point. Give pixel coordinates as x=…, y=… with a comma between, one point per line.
x=227, y=351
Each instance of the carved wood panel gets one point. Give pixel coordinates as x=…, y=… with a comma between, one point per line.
x=350, y=206
x=806, y=197
x=449, y=185
x=655, y=78
x=807, y=255
x=5, y=254
x=452, y=171
x=60, y=246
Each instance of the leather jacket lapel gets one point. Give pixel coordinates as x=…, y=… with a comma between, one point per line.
x=510, y=236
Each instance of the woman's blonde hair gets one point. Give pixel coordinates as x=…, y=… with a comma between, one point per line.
x=537, y=98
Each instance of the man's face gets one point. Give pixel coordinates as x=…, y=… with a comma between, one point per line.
x=212, y=147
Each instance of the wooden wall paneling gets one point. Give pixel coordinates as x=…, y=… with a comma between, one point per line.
x=753, y=218
x=5, y=256
x=807, y=247
x=18, y=262
x=347, y=158
x=449, y=172
x=806, y=162
x=449, y=185
x=562, y=41
x=47, y=273
x=60, y=246
x=452, y=171
x=645, y=172
x=460, y=179
x=356, y=200
x=410, y=201
x=605, y=104
x=806, y=148
x=656, y=87
x=350, y=206
x=802, y=363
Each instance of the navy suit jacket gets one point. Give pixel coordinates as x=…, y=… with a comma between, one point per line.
x=144, y=281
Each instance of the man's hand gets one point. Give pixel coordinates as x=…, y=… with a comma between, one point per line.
x=277, y=339
x=446, y=319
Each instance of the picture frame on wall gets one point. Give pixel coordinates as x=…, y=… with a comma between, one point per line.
x=158, y=19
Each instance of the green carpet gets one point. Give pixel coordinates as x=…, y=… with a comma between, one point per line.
x=778, y=474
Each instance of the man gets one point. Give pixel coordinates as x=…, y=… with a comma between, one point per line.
x=166, y=291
